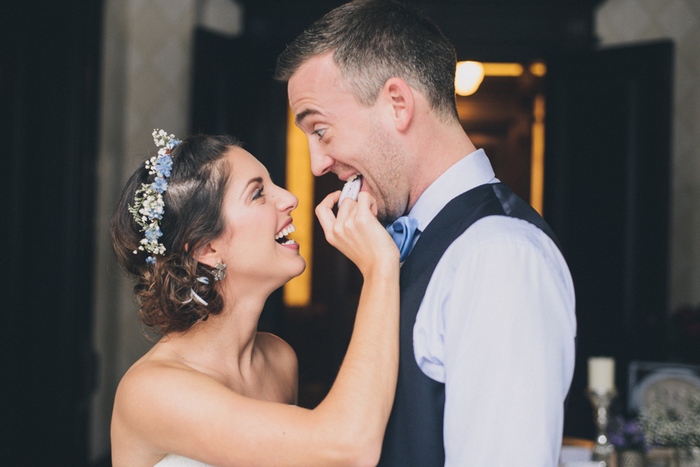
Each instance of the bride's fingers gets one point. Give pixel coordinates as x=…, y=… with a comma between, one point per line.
x=365, y=200
x=324, y=210
x=330, y=200
x=355, y=230
x=357, y=221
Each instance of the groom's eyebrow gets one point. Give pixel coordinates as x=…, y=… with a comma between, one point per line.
x=303, y=114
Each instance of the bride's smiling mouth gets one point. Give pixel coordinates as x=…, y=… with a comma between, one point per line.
x=281, y=236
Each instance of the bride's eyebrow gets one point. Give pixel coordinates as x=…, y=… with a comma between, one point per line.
x=254, y=180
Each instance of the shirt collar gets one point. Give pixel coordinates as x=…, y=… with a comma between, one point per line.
x=469, y=172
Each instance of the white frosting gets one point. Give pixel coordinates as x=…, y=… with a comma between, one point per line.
x=351, y=189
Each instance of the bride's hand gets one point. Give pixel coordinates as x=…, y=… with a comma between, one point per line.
x=356, y=232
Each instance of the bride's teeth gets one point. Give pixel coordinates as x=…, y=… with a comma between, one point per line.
x=285, y=232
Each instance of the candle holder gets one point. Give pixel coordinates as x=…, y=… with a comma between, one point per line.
x=601, y=400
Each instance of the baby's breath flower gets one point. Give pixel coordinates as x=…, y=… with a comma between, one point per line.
x=667, y=427
x=149, y=206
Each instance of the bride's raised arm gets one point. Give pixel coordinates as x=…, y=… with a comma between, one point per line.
x=183, y=411
x=363, y=393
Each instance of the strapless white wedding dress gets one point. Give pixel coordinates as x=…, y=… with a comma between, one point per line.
x=173, y=460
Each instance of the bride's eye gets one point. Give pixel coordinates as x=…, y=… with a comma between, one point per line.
x=258, y=193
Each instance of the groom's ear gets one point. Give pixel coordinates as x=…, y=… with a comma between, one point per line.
x=400, y=99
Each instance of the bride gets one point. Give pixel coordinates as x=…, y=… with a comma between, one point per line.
x=202, y=231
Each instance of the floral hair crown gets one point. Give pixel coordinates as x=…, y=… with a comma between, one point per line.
x=149, y=207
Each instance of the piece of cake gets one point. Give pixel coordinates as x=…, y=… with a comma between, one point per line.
x=351, y=189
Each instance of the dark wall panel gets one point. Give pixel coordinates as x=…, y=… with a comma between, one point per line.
x=607, y=179
x=49, y=63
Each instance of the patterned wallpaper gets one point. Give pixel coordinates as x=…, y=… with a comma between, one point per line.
x=627, y=21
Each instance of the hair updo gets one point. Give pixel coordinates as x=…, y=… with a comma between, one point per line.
x=193, y=217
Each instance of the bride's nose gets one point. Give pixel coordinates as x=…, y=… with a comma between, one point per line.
x=286, y=201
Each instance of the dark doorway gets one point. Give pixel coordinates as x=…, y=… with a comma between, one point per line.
x=499, y=118
x=607, y=179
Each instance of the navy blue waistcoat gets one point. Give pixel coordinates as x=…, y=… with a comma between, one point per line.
x=414, y=435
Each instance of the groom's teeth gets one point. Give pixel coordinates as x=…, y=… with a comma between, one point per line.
x=285, y=232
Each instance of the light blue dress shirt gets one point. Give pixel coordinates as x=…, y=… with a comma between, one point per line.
x=497, y=326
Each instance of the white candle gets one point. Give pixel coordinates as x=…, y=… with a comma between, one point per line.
x=601, y=373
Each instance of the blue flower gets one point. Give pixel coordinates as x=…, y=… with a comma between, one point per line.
x=154, y=212
x=164, y=165
x=151, y=260
x=172, y=143
x=160, y=184
x=153, y=233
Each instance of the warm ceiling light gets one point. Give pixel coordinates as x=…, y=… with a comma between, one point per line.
x=538, y=69
x=468, y=77
x=503, y=69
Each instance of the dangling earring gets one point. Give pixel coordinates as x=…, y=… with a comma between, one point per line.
x=219, y=272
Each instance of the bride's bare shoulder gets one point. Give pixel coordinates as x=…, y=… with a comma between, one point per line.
x=157, y=362
x=155, y=380
x=161, y=400
x=282, y=360
x=276, y=349
x=143, y=402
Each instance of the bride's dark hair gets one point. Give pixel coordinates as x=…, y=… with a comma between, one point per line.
x=193, y=217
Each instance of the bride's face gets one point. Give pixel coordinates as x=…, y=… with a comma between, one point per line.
x=257, y=217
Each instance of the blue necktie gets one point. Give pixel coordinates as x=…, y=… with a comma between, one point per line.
x=402, y=231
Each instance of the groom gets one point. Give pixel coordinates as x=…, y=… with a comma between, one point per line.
x=487, y=304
